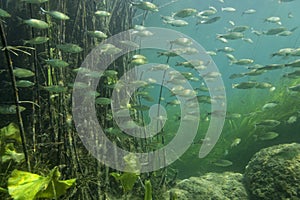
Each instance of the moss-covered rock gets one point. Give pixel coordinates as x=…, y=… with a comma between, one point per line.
x=274, y=173
x=211, y=186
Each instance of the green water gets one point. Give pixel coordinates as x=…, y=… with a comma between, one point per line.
x=45, y=137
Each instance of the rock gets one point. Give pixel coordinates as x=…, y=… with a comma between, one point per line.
x=211, y=186
x=274, y=173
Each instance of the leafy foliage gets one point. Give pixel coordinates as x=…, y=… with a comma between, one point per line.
x=27, y=186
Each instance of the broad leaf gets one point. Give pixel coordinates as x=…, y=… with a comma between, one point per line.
x=10, y=132
x=11, y=154
x=27, y=186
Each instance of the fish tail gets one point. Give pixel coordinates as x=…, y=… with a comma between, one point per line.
x=44, y=11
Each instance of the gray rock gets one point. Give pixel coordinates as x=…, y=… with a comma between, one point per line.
x=211, y=186
x=274, y=173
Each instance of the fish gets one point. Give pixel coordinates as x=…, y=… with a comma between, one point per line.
x=233, y=115
x=145, y=5
x=56, y=14
x=274, y=31
x=34, y=1
x=160, y=67
x=167, y=18
x=143, y=33
x=130, y=43
x=268, y=106
x=256, y=32
x=103, y=101
x=294, y=88
x=254, y=72
x=97, y=34
x=223, y=163
x=139, y=56
x=245, y=85
x=283, y=52
x=206, y=13
x=273, y=19
x=176, y=22
x=36, y=40
x=231, y=57
x=234, y=76
x=22, y=73
x=110, y=49
x=138, y=61
x=10, y=109
x=243, y=61
x=24, y=83
x=190, y=64
x=271, y=67
x=170, y=53
x=226, y=49
x=292, y=119
x=57, y=63
x=55, y=88
x=263, y=85
x=187, y=12
x=231, y=23
x=4, y=13
x=212, y=75
x=182, y=42
x=268, y=123
x=36, y=23
x=249, y=40
x=102, y=13
x=266, y=136
x=280, y=1
x=294, y=74
x=211, y=53
x=235, y=142
x=209, y=21
x=249, y=11
x=231, y=35
x=295, y=63
x=239, y=29
x=189, y=50
x=222, y=39
x=139, y=27
x=228, y=9
x=285, y=33
x=69, y=48
x=110, y=73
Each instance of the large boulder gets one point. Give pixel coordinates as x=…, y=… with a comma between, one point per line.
x=274, y=173
x=211, y=186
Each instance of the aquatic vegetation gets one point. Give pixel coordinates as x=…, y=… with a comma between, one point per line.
x=259, y=50
x=282, y=160
x=25, y=185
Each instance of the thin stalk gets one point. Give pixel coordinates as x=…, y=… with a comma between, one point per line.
x=16, y=95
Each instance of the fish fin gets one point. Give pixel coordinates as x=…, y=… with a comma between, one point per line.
x=293, y=29
x=44, y=11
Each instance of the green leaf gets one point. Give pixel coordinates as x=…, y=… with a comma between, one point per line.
x=10, y=132
x=27, y=186
x=24, y=185
x=127, y=180
x=11, y=154
x=57, y=187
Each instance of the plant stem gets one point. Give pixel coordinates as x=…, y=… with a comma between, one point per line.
x=16, y=95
